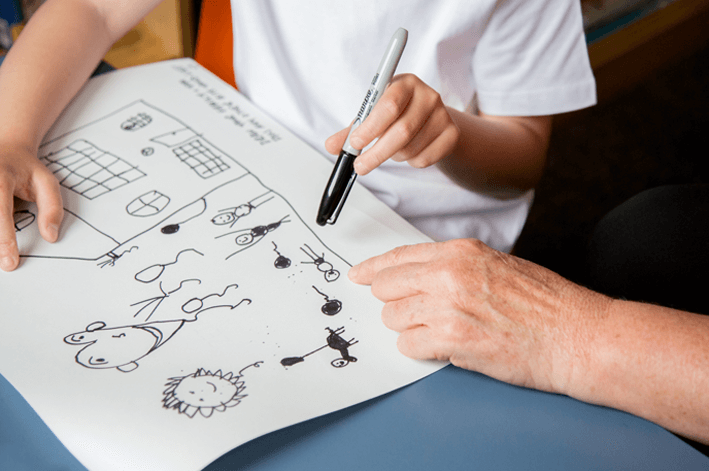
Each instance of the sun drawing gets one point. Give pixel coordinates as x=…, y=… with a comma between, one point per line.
x=203, y=392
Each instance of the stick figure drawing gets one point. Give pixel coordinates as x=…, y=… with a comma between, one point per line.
x=326, y=268
x=245, y=238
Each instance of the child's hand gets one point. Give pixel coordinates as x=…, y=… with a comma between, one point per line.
x=24, y=176
x=412, y=125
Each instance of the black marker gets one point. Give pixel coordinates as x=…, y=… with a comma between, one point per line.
x=343, y=176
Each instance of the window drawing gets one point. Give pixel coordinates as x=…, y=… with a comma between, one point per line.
x=202, y=159
x=136, y=122
x=148, y=204
x=87, y=170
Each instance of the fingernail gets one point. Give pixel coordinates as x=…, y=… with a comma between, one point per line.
x=359, y=167
x=7, y=263
x=352, y=273
x=356, y=142
x=53, y=230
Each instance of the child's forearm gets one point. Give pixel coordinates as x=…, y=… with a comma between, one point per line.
x=46, y=67
x=52, y=58
x=498, y=155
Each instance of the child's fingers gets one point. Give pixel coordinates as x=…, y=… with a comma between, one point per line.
x=334, y=143
x=402, y=131
x=9, y=256
x=391, y=105
x=49, y=204
x=435, y=150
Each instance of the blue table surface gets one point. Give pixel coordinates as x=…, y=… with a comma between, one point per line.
x=453, y=419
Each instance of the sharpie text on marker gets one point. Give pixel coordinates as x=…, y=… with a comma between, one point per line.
x=343, y=176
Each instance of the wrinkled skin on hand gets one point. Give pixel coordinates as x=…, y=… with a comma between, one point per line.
x=486, y=311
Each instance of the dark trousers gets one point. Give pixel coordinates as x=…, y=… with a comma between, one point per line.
x=655, y=248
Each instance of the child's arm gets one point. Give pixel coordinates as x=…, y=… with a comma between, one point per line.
x=45, y=68
x=498, y=155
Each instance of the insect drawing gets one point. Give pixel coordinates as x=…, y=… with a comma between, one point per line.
x=248, y=237
x=281, y=261
x=326, y=268
x=205, y=392
x=334, y=341
x=229, y=216
x=331, y=306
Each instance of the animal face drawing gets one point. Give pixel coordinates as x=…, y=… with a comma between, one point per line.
x=116, y=347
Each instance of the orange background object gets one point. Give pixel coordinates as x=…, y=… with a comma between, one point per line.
x=215, y=40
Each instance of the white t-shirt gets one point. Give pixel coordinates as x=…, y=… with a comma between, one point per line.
x=308, y=64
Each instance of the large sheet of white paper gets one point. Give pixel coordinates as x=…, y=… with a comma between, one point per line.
x=192, y=303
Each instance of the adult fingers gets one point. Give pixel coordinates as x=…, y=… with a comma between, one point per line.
x=364, y=272
x=421, y=343
x=406, y=313
x=49, y=203
x=399, y=282
x=9, y=256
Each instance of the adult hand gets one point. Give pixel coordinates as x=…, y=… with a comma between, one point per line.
x=412, y=125
x=486, y=311
x=24, y=176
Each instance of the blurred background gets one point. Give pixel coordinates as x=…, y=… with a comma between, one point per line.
x=651, y=61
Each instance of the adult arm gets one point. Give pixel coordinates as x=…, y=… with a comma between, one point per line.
x=53, y=57
x=518, y=322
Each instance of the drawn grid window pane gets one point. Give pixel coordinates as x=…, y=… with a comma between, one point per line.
x=200, y=158
x=89, y=171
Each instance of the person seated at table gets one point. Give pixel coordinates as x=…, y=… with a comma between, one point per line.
x=482, y=81
x=518, y=322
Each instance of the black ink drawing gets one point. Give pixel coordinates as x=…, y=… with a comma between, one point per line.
x=136, y=122
x=334, y=341
x=184, y=215
x=110, y=258
x=121, y=347
x=89, y=171
x=248, y=237
x=331, y=306
x=229, y=216
x=135, y=116
x=194, y=151
x=147, y=151
x=326, y=268
x=22, y=219
x=153, y=272
x=174, y=138
x=148, y=204
x=205, y=392
x=203, y=160
x=281, y=261
x=193, y=305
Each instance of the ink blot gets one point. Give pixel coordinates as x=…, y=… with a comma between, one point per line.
x=170, y=229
